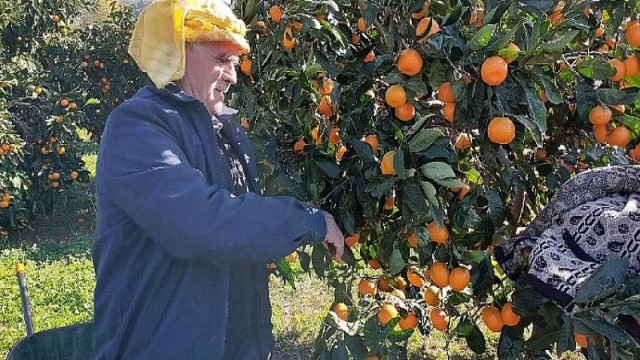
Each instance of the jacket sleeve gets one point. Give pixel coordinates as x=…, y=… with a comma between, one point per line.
x=144, y=172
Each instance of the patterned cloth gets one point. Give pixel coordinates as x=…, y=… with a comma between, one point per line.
x=594, y=217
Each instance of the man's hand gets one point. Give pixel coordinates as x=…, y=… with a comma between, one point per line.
x=334, y=240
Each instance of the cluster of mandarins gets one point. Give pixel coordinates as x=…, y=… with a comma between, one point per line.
x=105, y=83
x=7, y=148
x=493, y=72
x=6, y=199
x=54, y=145
x=324, y=86
x=327, y=110
x=288, y=40
x=60, y=23
x=604, y=130
x=434, y=283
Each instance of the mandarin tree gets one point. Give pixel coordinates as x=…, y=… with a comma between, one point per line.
x=38, y=107
x=60, y=73
x=423, y=78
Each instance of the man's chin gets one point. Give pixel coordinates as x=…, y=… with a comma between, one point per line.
x=216, y=109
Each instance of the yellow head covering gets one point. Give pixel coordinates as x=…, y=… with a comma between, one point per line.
x=163, y=27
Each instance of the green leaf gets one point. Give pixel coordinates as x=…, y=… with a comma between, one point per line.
x=482, y=277
x=430, y=192
x=396, y=262
x=596, y=353
x=394, y=77
x=317, y=260
x=481, y=38
x=566, y=340
x=494, y=11
x=398, y=335
x=440, y=172
x=542, y=340
x=337, y=34
x=380, y=187
x=438, y=72
x=560, y=42
x=537, y=7
x=532, y=126
x=464, y=327
x=305, y=260
x=528, y=300
x=339, y=351
x=595, y=68
x=398, y=164
x=346, y=217
x=372, y=334
x=458, y=298
x=423, y=139
x=504, y=40
x=249, y=9
x=412, y=196
x=633, y=81
x=476, y=341
x=417, y=5
x=628, y=306
x=326, y=64
x=415, y=128
x=356, y=346
x=474, y=176
x=416, y=85
x=371, y=14
x=473, y=257
x=496, y=206
x=453, y=15
x=92, y=101
x=451, y=183
x=537, y=111
x=313, y=69
x=550, y=88
x=348, y=256
x=285, y=271
x=350, y=328
x=586, y=98
x=363, y=150
x=534, y=38
x=615, y=97
x=510, y=346
x=330, y=169
x=632, y=122
x=601, y=326
x=603, y=282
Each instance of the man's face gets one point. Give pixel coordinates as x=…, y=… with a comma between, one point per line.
x=211, y=71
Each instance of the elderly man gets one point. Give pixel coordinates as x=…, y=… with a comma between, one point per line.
x=183, y=236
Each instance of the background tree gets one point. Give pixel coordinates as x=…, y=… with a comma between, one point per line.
x=58, y=77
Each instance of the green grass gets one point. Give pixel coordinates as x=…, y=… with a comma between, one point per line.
x=60, y=280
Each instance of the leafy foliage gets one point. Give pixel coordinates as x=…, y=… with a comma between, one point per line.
x=558, y=72
x=58, y=76
x=422, y=201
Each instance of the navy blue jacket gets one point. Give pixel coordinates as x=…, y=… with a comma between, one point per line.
x=170, y=235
